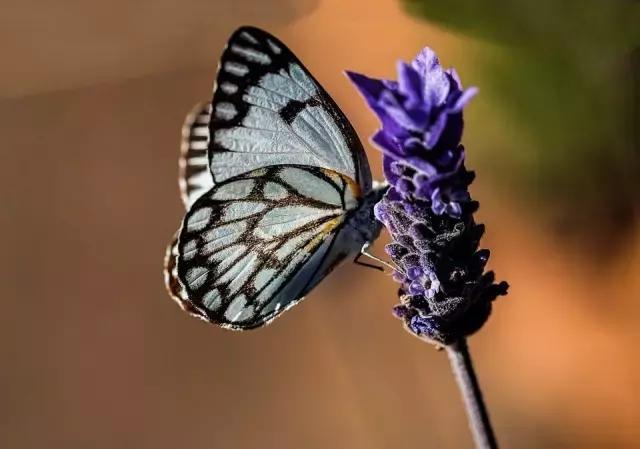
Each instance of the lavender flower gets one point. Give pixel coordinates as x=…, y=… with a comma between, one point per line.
x=445, y=293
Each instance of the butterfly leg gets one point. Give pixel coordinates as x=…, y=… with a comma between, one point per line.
x=364, y=252
x=364, y=264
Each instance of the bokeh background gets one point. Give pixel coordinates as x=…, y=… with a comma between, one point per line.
x=95, y=355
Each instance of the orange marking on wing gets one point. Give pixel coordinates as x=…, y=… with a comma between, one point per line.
x=354, y=187
x=324, y=232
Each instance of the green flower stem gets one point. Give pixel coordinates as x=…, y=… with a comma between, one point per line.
x=462, y=368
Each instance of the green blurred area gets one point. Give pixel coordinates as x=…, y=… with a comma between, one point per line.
x=565, y=74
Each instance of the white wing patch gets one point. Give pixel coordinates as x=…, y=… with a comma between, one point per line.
x=293, y=243
x=225, y=111
x=321, y=133
x=283, y=87
x=234, y=191
x=314, y=188
x=285, y=219
x=249, y=248
x=238, y=309
x=275, y=192
x=199, y=219
x=274, y=47
x=235, y=68
x=221, y=236
x=197, y=276
x=228, y=88
x=212, y=299
x=227, y=256
x=251, y=54
x=246, y=35
x=242, y=209
x=263, y=277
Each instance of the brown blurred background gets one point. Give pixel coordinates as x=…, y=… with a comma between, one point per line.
x=95, y=355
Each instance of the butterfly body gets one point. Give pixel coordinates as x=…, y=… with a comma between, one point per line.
x=277, y=187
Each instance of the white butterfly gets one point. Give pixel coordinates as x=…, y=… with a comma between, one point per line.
x=277, y=188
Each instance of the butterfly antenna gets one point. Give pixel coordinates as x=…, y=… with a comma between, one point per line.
x=364, y=252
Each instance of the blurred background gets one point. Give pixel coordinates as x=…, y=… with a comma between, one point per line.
x=94, y=354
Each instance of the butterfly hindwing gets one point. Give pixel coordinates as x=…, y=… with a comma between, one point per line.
x=174, y=287
x=253, y=245
x=268, y=110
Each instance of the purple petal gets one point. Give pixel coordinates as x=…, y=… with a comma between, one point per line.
x=395, y=250
x=424, y=191
x=390, y=84
x=454, y=210
x=421, y=165
x=420, y=325
x=415, y=288
x=410, y=83
x=394, y=154
x=392, y=195
x=446, y=172
x=374, y=91
x=413, y=145
x=436, y=82
x=420, y=178
x=436, y=130
x=391, y=106
x=426, y=61
x=438, y=207
x=400, y=311
x=454, y=76
x=370, y=88
x=386, y=142
x=463, y=99
x=381, y=213
x=419, y=231
x=414, y=272
x=404, y=186
x=398, y=168
x=426, y=172
x=459, y=195
x=391, y=127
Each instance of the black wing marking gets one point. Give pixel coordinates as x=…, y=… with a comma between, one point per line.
x=269, y=110
x=252, y=246
x=173, y=285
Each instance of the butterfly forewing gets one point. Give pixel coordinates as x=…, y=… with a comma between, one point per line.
x=195, y=177
x=253, y=245
x=268, y=110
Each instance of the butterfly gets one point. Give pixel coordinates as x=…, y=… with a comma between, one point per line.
x=276, y=185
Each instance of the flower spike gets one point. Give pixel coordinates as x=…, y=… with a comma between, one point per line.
x=445, y=294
